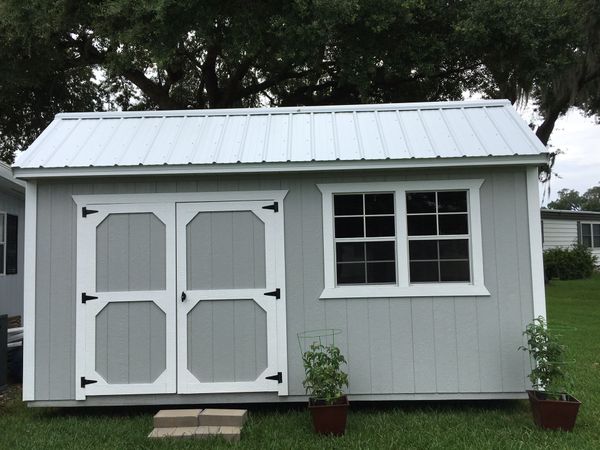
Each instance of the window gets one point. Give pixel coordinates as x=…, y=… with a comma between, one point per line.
x=590, y=235
x=438, y=235
x=8, y=244
x=365, y=238
x=402, y=239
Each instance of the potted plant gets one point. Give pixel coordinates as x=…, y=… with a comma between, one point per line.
x=552, y=405
x=323, y=383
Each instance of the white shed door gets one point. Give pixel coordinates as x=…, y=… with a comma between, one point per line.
x=126, y=311
x=230, y=313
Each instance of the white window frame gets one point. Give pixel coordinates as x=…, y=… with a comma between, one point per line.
x=592, y=241
x=3, y=243
x=403, y=287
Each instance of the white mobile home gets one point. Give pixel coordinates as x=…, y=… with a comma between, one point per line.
x=561, y=228
x=176, y=255
x=12, y=208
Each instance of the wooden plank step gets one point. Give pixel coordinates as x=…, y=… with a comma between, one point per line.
x=223, y=417
x=231, y=434
x=174, y=418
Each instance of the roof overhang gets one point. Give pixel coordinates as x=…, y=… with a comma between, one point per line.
x=562, y=214
x=8, y=181
x=277, y=167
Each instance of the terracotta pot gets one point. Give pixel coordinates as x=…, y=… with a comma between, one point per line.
x=553, y=414
x=329, y=419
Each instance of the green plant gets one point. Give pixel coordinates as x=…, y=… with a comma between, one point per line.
x=549, y=360
x=572, y=263
x=324, y=377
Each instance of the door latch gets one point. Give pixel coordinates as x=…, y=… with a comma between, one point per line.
x=183, y=296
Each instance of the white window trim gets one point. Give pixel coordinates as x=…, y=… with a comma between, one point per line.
x=592, y=240
x=3, y=242
x=403, y=288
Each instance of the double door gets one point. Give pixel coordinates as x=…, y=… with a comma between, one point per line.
x=180, y=297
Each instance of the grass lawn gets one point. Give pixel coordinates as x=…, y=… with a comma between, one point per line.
x=446, y=425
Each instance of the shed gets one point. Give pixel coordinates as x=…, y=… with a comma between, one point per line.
x=563, y=229
x=12, y=209
x=174, y=256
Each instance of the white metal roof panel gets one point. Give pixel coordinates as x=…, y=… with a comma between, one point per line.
x=280, y=135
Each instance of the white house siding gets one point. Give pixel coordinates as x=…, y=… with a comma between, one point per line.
x=11, y=286
x=412, y=348
x=563, y=233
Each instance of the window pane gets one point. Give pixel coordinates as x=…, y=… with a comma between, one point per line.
x=348, y=205
x=349, y=227
x=586, y=229
x=586, y=241
x=381, y=251
x=350, y=251
x=379, y=203
x=422, y=225
x=455, y=201
x=380, y=226
x=454, y=224
x=454, y=249
x=2, y=227
x=454, y=271
x=1, y=258
x=423, y=271
x=350, y=273
x=420, y=202
x=596, y=229
x=381, y=272
x=423, y=250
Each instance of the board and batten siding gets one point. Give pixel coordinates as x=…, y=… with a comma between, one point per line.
x=11, y=286
x=413, y=346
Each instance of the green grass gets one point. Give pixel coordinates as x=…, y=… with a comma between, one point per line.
x=489, y=425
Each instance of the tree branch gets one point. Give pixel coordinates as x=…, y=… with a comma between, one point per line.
x=157, y=93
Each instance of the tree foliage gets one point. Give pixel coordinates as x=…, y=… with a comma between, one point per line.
x=64, y=55
x=570, y=199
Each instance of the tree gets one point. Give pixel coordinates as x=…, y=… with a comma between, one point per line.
x=569, y=199
x=166, y=54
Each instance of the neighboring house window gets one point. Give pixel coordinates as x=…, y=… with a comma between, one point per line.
x=8, y=243
x=394, y=239
x=590, y=235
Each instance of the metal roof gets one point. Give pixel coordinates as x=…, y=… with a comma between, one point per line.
x=8, y=181
x=282, y=135
x=569, y=215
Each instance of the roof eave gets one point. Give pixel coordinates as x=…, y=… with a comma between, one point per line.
x=270, y=167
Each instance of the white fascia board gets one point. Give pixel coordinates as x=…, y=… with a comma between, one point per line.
x=310, y=166
x=288, y=110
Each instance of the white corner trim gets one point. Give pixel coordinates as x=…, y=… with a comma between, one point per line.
x=29, y=291
x=535, y=243
x=403, y=288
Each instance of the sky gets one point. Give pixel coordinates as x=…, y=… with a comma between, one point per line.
x=578, y=164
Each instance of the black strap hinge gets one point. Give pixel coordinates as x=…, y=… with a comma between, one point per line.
x=278, y=377
x=274, y=207
x=85, y=297
x=276, y=293
x=85, y=381
x=85, y=212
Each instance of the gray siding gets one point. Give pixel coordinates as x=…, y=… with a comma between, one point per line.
x=409, y=346
x=11, y=286
x=225, y=250
x=130, y=342
x=227, y=340
x=130, y=253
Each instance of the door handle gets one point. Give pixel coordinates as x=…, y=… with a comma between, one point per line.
x=183, y=296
